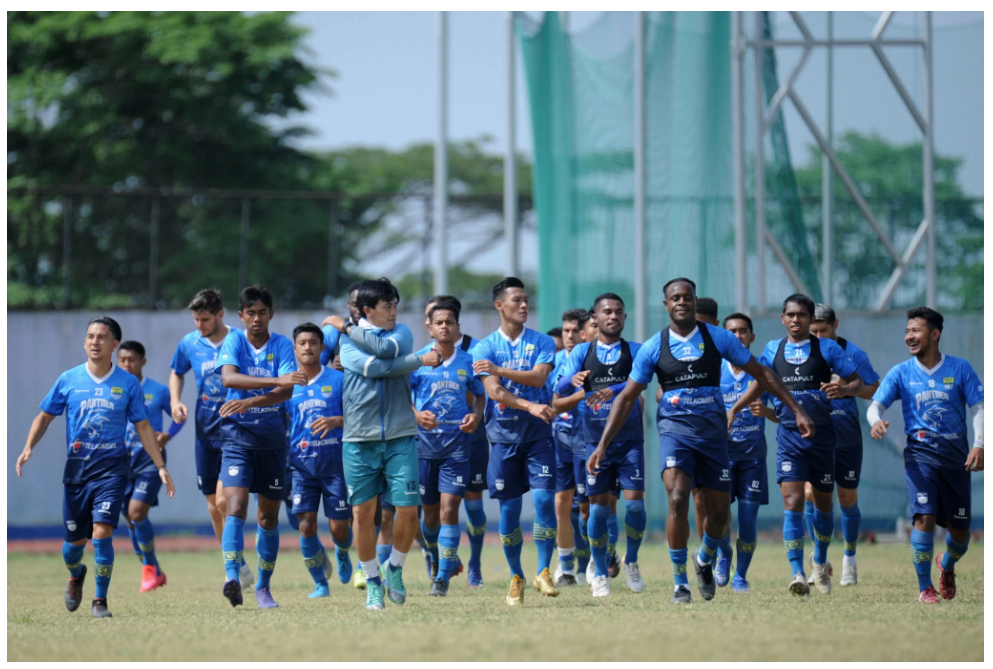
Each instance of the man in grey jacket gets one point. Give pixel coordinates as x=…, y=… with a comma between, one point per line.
x=379, y=450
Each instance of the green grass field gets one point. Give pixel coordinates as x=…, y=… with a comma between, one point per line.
x=189, y=619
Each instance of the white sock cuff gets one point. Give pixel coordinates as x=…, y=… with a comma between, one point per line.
x=397, y=558
x=370, y=567
x=566, y=552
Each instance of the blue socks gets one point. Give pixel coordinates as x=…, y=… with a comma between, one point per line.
x=709, y=550
x=475, y=529
x=599, y=536
x=808, y=519
x=582, y=552
x=146, y=542
x=73, y=557
x=613, y=532
x=342, y=546
x=953, y=552
x=511, y=535
x=103, y=558
x=748, y=520
x=851, y=518
x=383, y=552
x=267, y=547
x=134, y=542
x=545, y=526
x=678, y=558
x=431, y=540
x=823, y=529
x=233, y=546
x=313, y=558
x=724, y=546
x=448, y=546
x=793, y=539
x=635, y=520
x=921, y=553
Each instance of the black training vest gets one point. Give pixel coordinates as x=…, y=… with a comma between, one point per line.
x=675, y=374
x=808, y=375
x=843, y=343
x=466, y=343
x=603, y=375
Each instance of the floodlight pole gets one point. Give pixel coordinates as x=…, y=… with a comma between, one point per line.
x=760, y=234
x=440, y=240
x=510, y=159
x=827, y=175
x=738, y=162
x=929, y=204
x=640, y=292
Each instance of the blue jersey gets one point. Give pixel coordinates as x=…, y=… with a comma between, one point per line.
x=693, y=412
x=505, y=425
x=96, y=422
x=267, y=425
x=478, y=438
x=747, y=438
x=934, y=408
x=331, y=337
x=593, y=420
x=568, y=425
x=311, y=455
x=157, y=403
x=200, y=354
x=442, y=390
x=814, y=402
x=845, y=411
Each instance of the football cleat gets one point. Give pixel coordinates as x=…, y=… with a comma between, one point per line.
x=264, y=599
x=246, y=577
x=928, y=596
x=946, y=580
x=682, y=596
x=393, y=583
x=438, y=589
x=373, y=596
x=810, y=562
x=232, y=590
x=739, y=584
x=564, y=578
x=822, y=578
x=614, y=567
x=849, y=575
x=344, y=566
x=632, y=574
x=515, y=597
x=543, y=584
x=320, y=590
x=601, y=586
x=358, y=582
x=151, y=578
x=591, y=572
x=74, y=591
x=799, y=585
x=99, y=609
x=704, y=578
x=475, y=579
x=722, y=569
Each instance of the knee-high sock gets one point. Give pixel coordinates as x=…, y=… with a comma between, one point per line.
x=134, y=542
x=146, y=541
x=599, y=536
x=545, y=526
x=724, y=546
x=921, y=553
x=793, y=539
x=73, y=557
x=678, y=558
x=448, y=545
x=383, y=552
x=431, y=539
x=267, y=547
x=748, y=516
x=613, y=532
x=823, y=529
x=584, y=536
x=233, y=546
x=511, y=535
x=475, y=529
x=582, y=552
x=851, y=518
x=953, y=552
x=313, y=558
x=808, y=519
x=708, y=552
x=343, y=546
x=635, y=520
x=103, y=559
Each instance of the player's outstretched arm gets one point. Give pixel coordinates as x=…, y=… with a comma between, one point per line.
x=397, y=345
x=179, y=411
x=269, y=399
x=767, y=380
x=536, y=378
x=231, y=378
x=568, y=403
x=38, y=428
x=147, y=436
x=619, y=412
x=500, y=395
x=868, y=390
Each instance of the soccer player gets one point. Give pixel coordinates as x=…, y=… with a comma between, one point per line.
x=600, y=369
x=692, y=424
x=445, y=418
x=144, y=484
x=379, y=452
x=514, y=363
x=198, y=351
x=847, y=446
x=807, y=366
x=250, y=363
x=568, y=441
x=936, y=390
x=556, y=335
x=100, y=399
x=747, y=452
x=331, y=353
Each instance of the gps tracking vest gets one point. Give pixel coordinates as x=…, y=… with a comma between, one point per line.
x=703, y=372
x=809, y=375
x=605, y=375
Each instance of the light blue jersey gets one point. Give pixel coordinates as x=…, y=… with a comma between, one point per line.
x=157, y=404
x=746, y=440
x=442, y=390
x=311, y=455
x=98, y=411
x=845, y=411
x=200, y=354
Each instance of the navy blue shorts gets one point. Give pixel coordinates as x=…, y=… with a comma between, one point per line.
x=309, y=492
x=263, y=472
x=848, y=465
x=750, y=481
x=812, y=460
x=479, y=458
x=96, y=501
x=579, y=471
x=448, y=475
x=516, y=468
x=941, y=492
x=622, y=469
x=565, y=469
x=144, y=488
x=705, y=461
x=208, y=458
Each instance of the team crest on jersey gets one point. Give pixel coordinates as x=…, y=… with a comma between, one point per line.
x=462, y=374
x=149, y=397
x=116, y=392
x=528, y=348
x=949, y=382
x=499, y=484
x=701, y=346
x=270, y=357
x=787, y=466
x=326, y=391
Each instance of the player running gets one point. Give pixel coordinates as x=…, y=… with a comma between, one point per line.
x=693, y=427
x=935, y=390
x=847, y=446
x=100, y=399
x=514, y=363
x=144, y=483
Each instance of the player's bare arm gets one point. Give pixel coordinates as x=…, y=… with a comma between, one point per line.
x=501, y=395
x=850, y=386
x=619, y=412
x=179, y=411
x=38, y=428
x=767, y=380
x=147, y=436
x=535, y=378
x=273, y=398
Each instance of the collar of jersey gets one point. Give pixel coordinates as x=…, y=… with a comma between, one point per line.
x=799, y=344
x=218, y=344
x=736, y=377
x=609, y=347
x=924, y=369
x=314, y=380
x=86, y=366
x=450, y=360
x=672, y=333
x=512, y=342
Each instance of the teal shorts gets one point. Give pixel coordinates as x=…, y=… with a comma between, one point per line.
x=388, y=467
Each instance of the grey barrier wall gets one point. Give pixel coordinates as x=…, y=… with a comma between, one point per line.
x=41, y=345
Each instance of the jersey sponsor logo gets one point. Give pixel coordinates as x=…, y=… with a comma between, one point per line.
x=86, y=390
x=116, y=392
x=303, y=444
x=787, y=466
x=326, y=391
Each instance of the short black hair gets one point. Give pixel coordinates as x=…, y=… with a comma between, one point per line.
x=824, y=314
x=738, y=316
x=680, y=279
x=574, y=315
x=606, y=296
x=132, y=345
x=255, y=293
x=308, y=327
x=446, y=305
x=374, y=291
x=555, y=332
x=706, y=306
x=934, y=320
x=447, y=298
x=353, y=287
x=585, y=318
x=208, y=299
x=802, y=300
x=112, y=325
x=505, y=285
